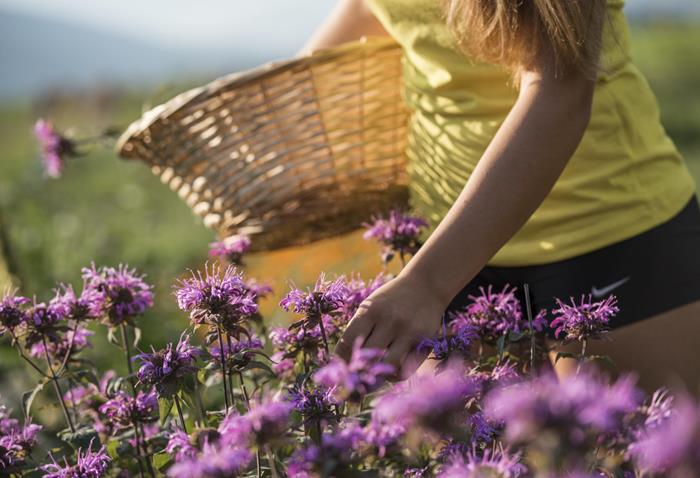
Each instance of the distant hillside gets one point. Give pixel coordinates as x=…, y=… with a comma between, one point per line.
x=37, y=52
x=647, y=9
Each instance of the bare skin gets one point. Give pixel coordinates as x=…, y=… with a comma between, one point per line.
x=515, y=174
x=639, y=348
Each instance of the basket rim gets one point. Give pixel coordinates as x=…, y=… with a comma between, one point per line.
x=175, y=104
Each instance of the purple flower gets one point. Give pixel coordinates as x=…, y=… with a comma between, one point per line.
x=12, y=312
x=577, y=409
x=483, y=430
x=672, y=448
x=238, y=352
x=61, y=344
x=478, y=464
x=358, y=291
x=458, y=344
x=217, y=297
x=42, y=322
x=88, y=464
x=334, y=454
x=587, y=320
x=326, y=298
x=123, y=409
x=180, y=446
x=266, y=421
x=55, y=147
x=88, y=306
x=435, y=402
x=164, y=369
x=398, y=233
x=213, y=462
x=384, y=436
x=16, y=441
x=283, y=367
x=496, y=314
x=502, y=374
x=127, y=295
x=231, y=248
x=314, y=405
x=363, y=374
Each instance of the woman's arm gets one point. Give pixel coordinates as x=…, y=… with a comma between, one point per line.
x=515, y=174
x=349, y=20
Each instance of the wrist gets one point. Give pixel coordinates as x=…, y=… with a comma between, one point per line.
x=419, y=280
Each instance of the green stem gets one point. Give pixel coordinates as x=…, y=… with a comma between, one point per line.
x=271, y=462
x=140, y=444
x=222, y=357
x=581, y=357
x=528, y=308
x=245, y=391
x=179, y=412
x=57, y=387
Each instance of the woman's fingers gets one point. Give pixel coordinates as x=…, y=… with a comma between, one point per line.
x=397, y=353
x=360, y=326
x=381, y=336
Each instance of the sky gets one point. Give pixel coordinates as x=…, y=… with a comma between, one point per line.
x=276, y=25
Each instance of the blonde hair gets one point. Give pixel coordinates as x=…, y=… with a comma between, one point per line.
x=515, y=33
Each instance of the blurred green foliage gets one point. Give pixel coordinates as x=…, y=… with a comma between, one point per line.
x=111, y=211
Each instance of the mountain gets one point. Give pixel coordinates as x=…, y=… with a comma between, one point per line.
x=648, y=9
x=37, y=53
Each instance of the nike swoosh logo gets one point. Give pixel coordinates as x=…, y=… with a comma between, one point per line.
x=599, y=293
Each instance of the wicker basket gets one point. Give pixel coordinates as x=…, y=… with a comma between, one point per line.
x=290, y=152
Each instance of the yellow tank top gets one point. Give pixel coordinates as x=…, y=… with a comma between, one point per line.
x=625, y=177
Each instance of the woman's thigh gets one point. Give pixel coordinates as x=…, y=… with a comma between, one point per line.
x=663, y=350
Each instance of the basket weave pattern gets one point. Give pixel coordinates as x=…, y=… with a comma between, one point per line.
x=290, y=152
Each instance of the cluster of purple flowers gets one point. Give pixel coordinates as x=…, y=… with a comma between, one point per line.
x=16, y=442
x=219, y=298
x=88, y=464
x=398, y=233
x=496, y=314
x=164, y=369
x=325, y=299
x=587, y=319
x=304, y=413
x=489, y=462
x=123, y=410
x=55, y=147
x=238, y=352
x=232, y=248
x=126, y=295
x=363, y=374
x=432, y=402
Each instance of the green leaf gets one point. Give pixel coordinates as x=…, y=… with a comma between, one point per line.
x=82, y=437
x=602, y=358
x=29, y=396
x=161, y=460
x=165, y=406
x=112, y=448
x=561, y=355
x=255, y=364
x=514, y=337
x=187, y=398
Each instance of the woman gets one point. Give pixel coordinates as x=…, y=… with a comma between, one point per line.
x=535, y=146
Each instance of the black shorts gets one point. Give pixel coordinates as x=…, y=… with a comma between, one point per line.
x=651, y=273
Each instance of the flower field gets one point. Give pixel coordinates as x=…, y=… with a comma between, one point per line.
x=231, y=396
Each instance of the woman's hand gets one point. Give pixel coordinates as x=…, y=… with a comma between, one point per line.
x=395, y=318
